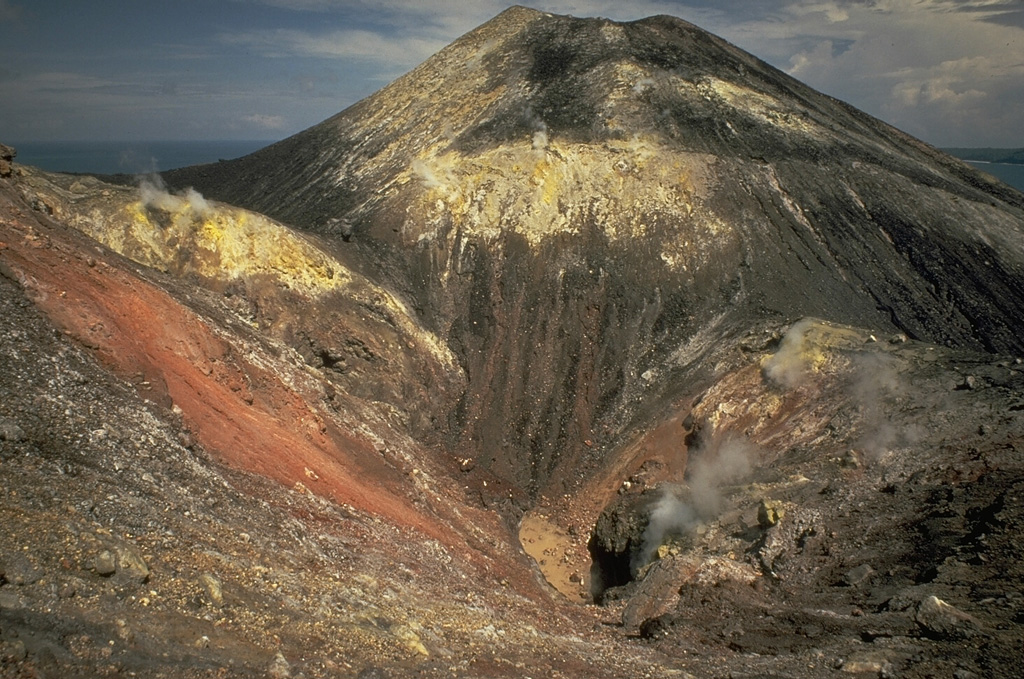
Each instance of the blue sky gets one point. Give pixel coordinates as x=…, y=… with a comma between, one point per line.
x=948, y=71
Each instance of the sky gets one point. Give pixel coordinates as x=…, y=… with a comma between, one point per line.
x=950, y=72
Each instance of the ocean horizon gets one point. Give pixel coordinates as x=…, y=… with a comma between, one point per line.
x=147, y=157
x=1005, y=172
x=129, y=157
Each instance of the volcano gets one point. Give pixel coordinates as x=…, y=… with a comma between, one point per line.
x=583, y=210
x=578, y=322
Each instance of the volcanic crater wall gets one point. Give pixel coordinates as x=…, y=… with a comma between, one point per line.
x=583, y=211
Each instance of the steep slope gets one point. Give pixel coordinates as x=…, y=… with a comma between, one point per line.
x=135, y=538
x=582, y=209
x=828, y=501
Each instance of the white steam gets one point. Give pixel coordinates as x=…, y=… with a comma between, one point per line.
x=788, y=366
x=425, y=174
x=153, y=194
x=677, y=512
x=540, y=130
x=540, y=139
x=875, y=383
x=669, y=517
x=726, y=463
x=196, y=201
x=643, y=85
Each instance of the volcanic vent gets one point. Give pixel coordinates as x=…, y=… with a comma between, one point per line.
x=713, y=346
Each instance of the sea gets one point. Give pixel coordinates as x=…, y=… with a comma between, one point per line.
x=1004, y=172
x=95, y=157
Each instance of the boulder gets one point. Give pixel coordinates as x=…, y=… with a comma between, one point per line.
x=941, y=620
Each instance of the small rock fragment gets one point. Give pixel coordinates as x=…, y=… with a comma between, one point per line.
x=131, y=564
x=654, y=628
x=859, y=575
x=10, y=431
x=211, y=584
x=124, y=631
x=868, y=663
x=968, y=383
x=279, y=668
x=13, y=650
x=104, y=563
x=20, y=571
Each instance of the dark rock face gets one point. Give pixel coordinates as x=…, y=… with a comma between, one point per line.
x=616, y=541
x=575, y=204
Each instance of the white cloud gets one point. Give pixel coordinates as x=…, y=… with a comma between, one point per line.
x=833, y=12
x=265, y=122
x=387, y=50
x=943, y=70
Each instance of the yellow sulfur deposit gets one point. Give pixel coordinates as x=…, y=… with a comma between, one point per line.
x=624, y=188
x=217, y=242
x=805, y=349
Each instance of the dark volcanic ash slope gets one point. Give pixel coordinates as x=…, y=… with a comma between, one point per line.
x=582, y=209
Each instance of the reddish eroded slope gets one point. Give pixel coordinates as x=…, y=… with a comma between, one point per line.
x=234, y=405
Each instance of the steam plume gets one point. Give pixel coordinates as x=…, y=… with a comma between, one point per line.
x=788, y=366
x=540, y=130
x=425, y=174
x=875, y=382
x=724, y=463
x=154, y=194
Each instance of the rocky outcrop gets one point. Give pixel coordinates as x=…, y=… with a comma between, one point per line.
x=7, y=155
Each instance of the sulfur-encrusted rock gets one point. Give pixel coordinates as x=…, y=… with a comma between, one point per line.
x=769, y=513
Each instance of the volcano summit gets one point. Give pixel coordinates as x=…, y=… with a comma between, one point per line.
x=578, y=322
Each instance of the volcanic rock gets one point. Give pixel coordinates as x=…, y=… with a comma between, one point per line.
x=571, y=281
x=10, y=431
x=105, y=563
x=940, y=619
x=213, y=587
